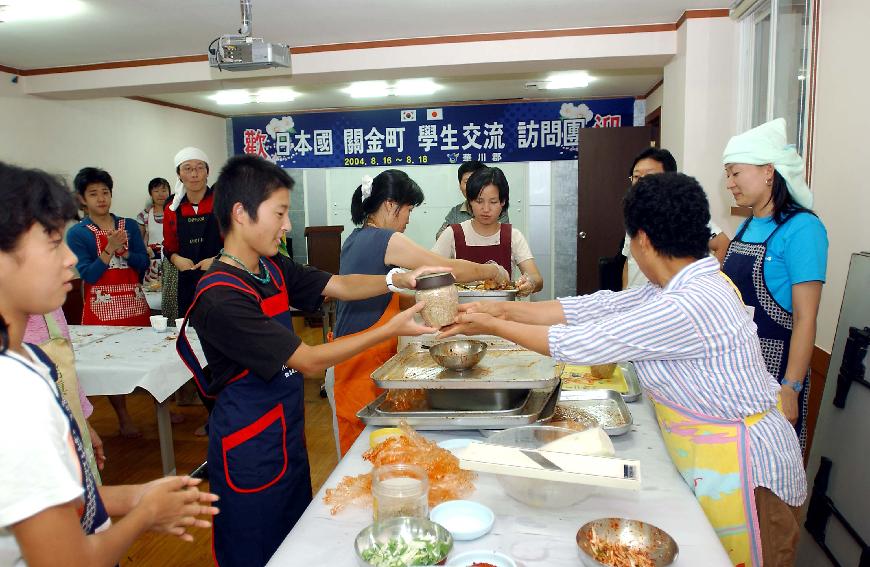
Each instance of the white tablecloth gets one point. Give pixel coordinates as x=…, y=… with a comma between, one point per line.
x=532, y=536
x=116, y=360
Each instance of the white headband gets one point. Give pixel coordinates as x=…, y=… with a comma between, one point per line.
x=185, y=154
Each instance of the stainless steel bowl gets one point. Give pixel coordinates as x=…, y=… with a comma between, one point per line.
x=408, y=529
x=629, y=535
x=459, y=355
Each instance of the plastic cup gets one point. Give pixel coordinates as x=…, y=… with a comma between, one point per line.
x=158, y=323
x=179, y=322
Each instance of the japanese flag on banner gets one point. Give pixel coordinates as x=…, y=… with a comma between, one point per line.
x=409, y=116
x=434, y=114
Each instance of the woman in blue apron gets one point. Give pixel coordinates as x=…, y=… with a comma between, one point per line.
x=51, y=504
x=778, y=257
x=258, y=463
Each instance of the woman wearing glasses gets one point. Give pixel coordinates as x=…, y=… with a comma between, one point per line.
x=650, y=161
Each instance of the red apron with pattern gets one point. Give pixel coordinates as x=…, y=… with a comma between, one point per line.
x=117, y=298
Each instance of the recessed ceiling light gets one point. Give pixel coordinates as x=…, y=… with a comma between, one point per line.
x=24, y=10
x=368, y=89
x=415, y=87
x=278, y=94
x=568, y=80
x=234, y=96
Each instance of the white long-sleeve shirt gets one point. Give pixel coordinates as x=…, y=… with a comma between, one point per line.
x=693, y=344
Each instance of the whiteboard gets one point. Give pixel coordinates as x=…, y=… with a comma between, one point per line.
x=441, y=190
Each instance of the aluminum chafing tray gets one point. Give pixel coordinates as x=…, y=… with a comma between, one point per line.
x=539, y=406
x=606, y=406
x=470, y=295
x=632, y=393
x=505, y=365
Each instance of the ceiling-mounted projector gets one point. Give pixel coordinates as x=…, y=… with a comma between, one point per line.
x=242, y=52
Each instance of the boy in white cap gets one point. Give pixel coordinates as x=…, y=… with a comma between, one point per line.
x=191, y=238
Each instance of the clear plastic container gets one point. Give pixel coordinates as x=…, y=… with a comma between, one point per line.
x=441, y=297
x=400, y=490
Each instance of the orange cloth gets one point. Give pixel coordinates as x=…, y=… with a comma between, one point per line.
x=354, y=388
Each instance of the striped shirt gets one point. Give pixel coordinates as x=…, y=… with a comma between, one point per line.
x=693, y=344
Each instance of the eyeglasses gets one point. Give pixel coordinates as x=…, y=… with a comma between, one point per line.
x=191, y=169
x=634, y=178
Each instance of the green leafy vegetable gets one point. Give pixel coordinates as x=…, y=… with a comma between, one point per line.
x=398, y=552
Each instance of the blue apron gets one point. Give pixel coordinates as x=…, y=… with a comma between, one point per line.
x=257, y=460
x=92, y=513
x=744, y=264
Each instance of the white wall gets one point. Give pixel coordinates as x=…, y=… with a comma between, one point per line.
x=700, y=87
x=840, y=149
x=133, y=141
x=655, y=99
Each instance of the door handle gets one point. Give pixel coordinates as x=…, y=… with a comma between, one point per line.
x=581, y=234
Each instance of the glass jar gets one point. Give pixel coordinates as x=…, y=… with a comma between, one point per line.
x=400, y=490
x=441, y=297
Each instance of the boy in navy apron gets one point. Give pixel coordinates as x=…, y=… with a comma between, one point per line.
x=258, y=463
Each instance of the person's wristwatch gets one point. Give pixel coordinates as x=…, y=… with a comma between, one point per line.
x=796, y=386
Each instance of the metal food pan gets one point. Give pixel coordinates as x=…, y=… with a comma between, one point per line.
x=501, y=368
x=472, y=295
x=606, y=406
x=539, y=405
x=477, y=400
x=633, y=391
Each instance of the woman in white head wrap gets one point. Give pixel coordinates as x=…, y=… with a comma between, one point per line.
x=778, y=257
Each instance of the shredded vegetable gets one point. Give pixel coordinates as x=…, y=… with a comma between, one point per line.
x=399, y=552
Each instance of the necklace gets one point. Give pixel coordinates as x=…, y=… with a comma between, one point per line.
x=262, y=279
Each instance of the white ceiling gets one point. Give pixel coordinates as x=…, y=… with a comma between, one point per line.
x=119, y=30
x=625, y=82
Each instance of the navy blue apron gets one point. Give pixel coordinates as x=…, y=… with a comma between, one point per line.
x=744, y=264
x=92, y=513
x=257, y=460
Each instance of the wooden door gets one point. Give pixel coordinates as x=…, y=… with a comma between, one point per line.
x=605, y=159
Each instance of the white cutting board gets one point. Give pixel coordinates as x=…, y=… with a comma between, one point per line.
x=610, y=472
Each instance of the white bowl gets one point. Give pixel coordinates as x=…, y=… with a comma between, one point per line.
x=464, y=519
x=468, y=558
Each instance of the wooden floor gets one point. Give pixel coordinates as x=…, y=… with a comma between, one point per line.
x=138, y=460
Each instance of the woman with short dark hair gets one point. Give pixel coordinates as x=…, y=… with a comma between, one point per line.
x=484, y=238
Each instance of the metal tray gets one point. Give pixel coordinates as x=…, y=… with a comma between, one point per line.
x=539, y=406
x=607, y=406
x=506, y=365
x=471, y=295
x=500, y=404
x=477, y=400
x=634, y=389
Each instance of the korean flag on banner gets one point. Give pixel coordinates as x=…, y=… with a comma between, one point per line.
x=409, y=116
x=434, y=114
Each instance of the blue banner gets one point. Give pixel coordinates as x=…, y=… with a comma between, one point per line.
x=526, y=131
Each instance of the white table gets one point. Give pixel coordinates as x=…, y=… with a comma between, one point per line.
x=117, y=360
x=532, y=536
